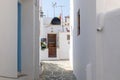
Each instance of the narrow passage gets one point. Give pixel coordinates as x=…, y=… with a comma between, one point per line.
x=57, y=70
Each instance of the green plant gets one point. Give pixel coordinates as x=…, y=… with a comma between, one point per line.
x=43, y=46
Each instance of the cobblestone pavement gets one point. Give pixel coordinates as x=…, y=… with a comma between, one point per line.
x=57, y=70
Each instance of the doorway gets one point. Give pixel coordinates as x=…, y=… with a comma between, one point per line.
x=19, y=37
x=52, y=45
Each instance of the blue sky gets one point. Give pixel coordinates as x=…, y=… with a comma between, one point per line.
x=48, y=9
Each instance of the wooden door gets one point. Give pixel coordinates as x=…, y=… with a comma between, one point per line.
x=51, y=45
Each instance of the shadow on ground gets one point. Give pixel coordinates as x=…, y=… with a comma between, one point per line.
x=56, y=72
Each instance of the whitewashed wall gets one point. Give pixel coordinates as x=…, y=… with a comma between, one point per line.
x=30, y=39
x=103, y=7
x=108, y=56
x=71, y=33
x=30, y=35
x=92, y=55
x=84, y=47
x=111, y=46
x=55, y=28
x=27, y=38
x=8, y=38
x=37, y=67
x=42, y=28
x=64, y=45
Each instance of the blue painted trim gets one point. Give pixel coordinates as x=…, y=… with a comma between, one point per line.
x=19, y=38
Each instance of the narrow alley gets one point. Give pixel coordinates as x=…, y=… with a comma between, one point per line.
x=38, y=37
x=57, y=70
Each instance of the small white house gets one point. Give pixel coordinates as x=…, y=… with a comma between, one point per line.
x=19, y=39
x=61, y=42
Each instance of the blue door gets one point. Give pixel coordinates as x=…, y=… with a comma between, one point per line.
x=19, y=38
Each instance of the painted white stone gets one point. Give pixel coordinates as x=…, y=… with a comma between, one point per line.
x=64, y=45
x=8, y=36
x=100, y=49
x=30, y=41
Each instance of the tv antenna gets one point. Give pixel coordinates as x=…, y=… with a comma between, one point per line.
x=61, y=6
x=54, y=6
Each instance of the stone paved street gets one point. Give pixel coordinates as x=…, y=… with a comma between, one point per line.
x=57, y=70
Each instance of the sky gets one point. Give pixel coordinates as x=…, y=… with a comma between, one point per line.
x=49, y=10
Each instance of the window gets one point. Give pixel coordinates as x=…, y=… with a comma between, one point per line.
x=78, y=26
x=68, y=37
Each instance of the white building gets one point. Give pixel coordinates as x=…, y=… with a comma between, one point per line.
x=62, y=43
x=19, y=32
x=67, y=20
x=96, y=50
